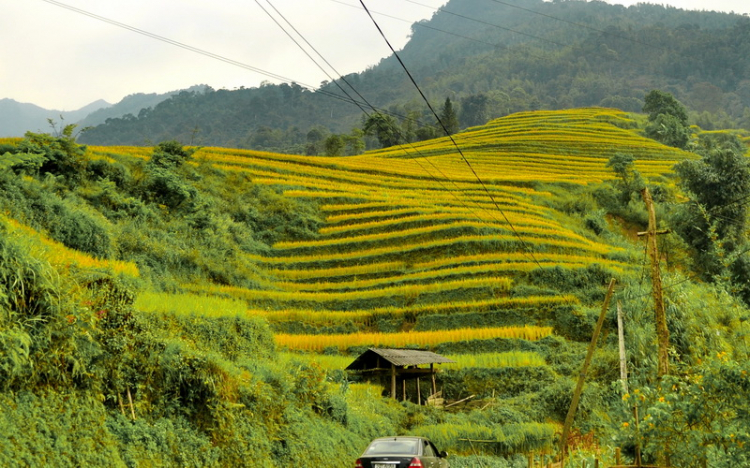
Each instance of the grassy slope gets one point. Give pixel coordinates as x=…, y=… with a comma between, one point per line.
x=414, y=251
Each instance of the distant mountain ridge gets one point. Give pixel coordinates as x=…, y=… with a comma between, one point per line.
x=132, y=104
x=16, y=118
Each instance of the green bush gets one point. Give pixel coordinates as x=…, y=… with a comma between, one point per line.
x=55, y=429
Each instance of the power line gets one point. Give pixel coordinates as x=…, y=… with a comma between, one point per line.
x=463, y=156
x=245, y=66
x=305, y=51
x=424, y=26
x=175, y=43
x=210, y=54
x=369, y=105
x=418, y=24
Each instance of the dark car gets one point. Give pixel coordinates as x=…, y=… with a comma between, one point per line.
x=402, y=452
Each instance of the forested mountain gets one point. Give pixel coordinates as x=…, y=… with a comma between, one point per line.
x=132, y=104
x=491, y=59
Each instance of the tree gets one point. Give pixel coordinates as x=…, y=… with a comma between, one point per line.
x=333, y=145
x=667, y=129
x=475, y=110
x=630, y=179
x=658, y=102
x=714, y=223
x=668, y=119
x=355, y=143
x=61, y=155
x=449, y=118
x=385, y=128
x=171, y=153
x=315, y=138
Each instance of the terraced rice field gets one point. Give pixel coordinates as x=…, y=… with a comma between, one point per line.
x=411, y=233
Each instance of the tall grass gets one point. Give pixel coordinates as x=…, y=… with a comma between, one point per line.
x=62, y=257
x=209, y=306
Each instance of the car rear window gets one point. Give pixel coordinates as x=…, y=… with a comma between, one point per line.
x=392, y=447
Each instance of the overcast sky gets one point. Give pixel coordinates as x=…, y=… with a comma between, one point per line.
x=61, y=59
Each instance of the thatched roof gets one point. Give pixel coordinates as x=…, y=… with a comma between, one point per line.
x=371, y=358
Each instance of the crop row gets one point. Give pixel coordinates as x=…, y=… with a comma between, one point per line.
x=462, y=361
x=328, y=317
x=447, y=266
x=448, y=215
x=427, y=338
x=501, y=230
x=441, y=274
x=493, y=242
x=498, y=284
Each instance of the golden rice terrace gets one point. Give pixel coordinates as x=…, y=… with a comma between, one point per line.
x=416, y=250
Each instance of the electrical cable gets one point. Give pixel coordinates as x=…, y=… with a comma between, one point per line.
x=305, y=51
x=418, y=24
x=463, y=156
x=212, y=55
x=417, y=160
x=424, y=26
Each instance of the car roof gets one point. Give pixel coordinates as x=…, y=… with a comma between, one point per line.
x=401, y=438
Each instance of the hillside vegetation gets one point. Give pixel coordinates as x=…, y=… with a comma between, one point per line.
x=196, y=306
x=491, y=59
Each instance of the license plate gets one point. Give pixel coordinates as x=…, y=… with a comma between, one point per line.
x=384, y=465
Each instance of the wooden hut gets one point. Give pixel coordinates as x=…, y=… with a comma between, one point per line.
x=398, y=365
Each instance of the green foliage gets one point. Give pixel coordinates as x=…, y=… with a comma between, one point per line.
x=22, y=163
x=475, y=110
x=63, y=157
x=56, y=429
x=45, y=340
x=714, y=223
x=506, y=440
x=667, y=119
x=658, y=103
x=696, y=418
x=334, y=145
x=503, y=382
x=629, y=179
x=448, y=117
x=669, y=130
x=384, y=127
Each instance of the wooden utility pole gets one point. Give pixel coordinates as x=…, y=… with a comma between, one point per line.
x=582, y=375
x=662, y=332
x=623, y=357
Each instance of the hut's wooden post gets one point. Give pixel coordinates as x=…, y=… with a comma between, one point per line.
x=393, y=381
x=432, y=375
x=419, y=393
x=403, y=388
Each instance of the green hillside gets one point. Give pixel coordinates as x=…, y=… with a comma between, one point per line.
x=491, y=59
x=174, y=306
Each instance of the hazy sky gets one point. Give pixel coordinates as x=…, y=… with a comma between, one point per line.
x=63, y=60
